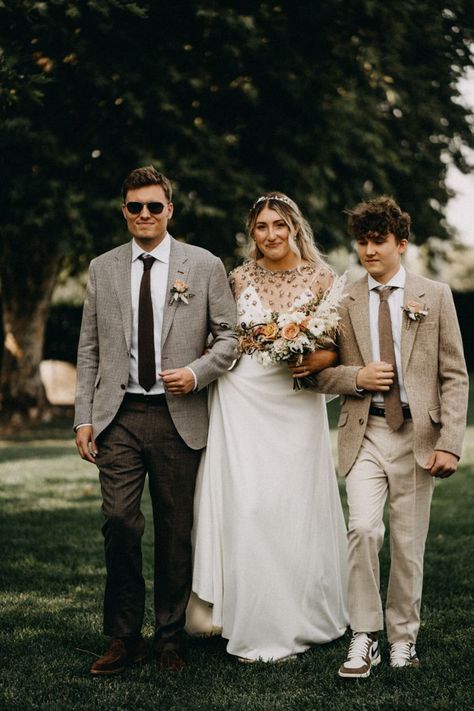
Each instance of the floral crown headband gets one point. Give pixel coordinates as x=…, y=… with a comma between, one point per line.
x=278, y=198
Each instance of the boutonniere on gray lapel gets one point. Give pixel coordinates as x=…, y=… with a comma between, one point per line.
x=180, y=292
x=415, y=311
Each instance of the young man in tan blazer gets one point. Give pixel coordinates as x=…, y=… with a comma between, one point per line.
x=401, y=426
x=141, y=409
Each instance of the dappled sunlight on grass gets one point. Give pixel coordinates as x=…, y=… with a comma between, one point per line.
x=46, y=476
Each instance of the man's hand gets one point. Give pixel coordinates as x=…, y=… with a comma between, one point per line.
x=178, y=381
x=442, y=464
x=85, y=443
x=375, y=377
x=313, y=363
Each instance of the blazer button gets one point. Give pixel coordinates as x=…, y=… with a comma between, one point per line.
x=124, y=387
x=361, y=420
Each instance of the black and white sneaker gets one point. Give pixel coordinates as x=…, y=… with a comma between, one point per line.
x=363, y=654
x=403, y=654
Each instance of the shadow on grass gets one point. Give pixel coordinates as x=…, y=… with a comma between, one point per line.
x=50, y=551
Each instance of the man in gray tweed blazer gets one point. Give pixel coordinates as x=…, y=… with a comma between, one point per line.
x=393, y=448
x=141, y=408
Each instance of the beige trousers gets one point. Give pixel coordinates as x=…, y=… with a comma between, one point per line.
x=386, y=468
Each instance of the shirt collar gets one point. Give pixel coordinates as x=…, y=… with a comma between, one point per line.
x=161, y=251
x=397, y=280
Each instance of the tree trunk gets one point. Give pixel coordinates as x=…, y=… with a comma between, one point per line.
x=27, y=287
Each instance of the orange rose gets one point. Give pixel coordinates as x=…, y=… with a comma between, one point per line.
x=269, y=331
x=180, y=286
x=290, y=331
x=305, y=322
x=415, y=307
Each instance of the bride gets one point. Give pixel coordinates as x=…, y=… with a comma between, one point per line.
x=269, y=534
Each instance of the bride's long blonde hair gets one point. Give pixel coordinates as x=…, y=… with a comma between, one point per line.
x=301, y=240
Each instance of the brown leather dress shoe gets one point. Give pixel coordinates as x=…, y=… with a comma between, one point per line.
x=119, y=655
x=171, y=660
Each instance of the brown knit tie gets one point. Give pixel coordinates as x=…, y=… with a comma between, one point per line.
x=146, y=340
x=393, y=405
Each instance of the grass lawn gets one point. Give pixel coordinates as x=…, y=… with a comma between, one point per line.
x=52, y=574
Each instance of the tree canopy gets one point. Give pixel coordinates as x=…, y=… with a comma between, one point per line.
x=331, y=102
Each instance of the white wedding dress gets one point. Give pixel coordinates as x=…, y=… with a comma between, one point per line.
x=269, y=536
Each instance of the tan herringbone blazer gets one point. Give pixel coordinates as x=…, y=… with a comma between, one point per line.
x=434, y=371
x=104, y=344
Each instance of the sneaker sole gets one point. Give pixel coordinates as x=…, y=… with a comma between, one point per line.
x=410, y=665
x=363, y=675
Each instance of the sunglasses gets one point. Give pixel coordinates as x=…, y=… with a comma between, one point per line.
x=135, y=208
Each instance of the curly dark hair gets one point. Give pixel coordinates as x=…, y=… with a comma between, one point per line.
x=142, y=177
x=380, y=216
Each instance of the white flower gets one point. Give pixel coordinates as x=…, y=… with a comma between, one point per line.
x=280, y=346
x=290, y=317
x=298, y=345
x=316, y=327
x=264, y=358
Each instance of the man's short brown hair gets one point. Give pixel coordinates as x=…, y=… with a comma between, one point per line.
x=380, y=216
x=142, y=177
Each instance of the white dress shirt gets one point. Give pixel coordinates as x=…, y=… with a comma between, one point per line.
x=158, y=284
x=395, y=303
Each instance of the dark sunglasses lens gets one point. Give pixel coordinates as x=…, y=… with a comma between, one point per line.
x=134, y=207
x=156, y=208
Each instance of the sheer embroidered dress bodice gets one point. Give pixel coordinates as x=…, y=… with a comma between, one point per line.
x=258, y=291
x=269, y=536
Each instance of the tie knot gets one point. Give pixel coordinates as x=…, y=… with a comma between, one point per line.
x=384, y=292
x=147, y=261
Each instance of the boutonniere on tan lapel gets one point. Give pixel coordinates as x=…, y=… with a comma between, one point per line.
x=415, y=311
x=180, y=292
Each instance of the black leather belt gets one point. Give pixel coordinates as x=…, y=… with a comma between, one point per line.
x=157, y=400
x=380, y=412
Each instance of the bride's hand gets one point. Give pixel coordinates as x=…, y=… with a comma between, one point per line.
x=313, y=363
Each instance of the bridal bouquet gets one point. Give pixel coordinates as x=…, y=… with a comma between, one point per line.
x=289, y=335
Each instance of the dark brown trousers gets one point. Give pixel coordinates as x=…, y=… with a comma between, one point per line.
x=141, y=440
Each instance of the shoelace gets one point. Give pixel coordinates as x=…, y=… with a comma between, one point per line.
x=359, y=646
x=400, y=651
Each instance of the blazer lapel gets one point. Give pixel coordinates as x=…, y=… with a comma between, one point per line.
x=178, y=269
x=123, y=287
x=359, y=315
x=413, y=292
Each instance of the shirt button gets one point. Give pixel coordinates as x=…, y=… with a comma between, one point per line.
x=361, y=421
x=123, y=386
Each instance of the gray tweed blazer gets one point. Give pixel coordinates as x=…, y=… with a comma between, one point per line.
x=104, y=344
